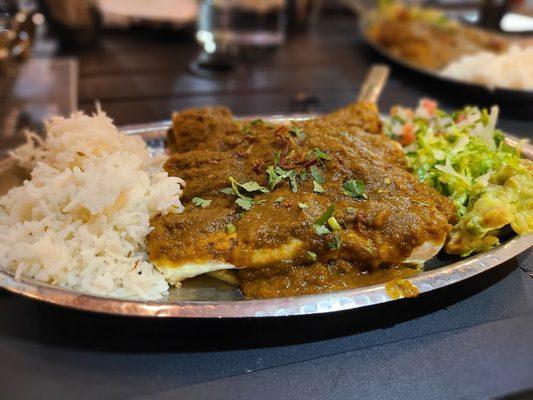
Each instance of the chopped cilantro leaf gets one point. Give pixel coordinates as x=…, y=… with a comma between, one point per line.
x=351, y=210
x=227, y=190
x=311, y=256
x=273, y=177
x=321, y=229
x=230, y=228
x=327, y=215
x=354, y=188
x=246, y=203
x=277, y=174
x=317, y=175
x=303, y=205
x=298, y=132
x=253, y=186
x=292, y=180
x=278, y=199
x=199, y=202
x=336, y=243
x=317, y=188
x=321, y=156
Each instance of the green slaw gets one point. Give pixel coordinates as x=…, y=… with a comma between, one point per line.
x=465, y=157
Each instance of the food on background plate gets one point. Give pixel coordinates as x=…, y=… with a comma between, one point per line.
x=465, y=157
x=427, y=37
x=510, y=69
x=81, y=219
x=307, y=207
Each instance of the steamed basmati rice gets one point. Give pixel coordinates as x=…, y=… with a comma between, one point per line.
x=511, y=69
x=82, y=219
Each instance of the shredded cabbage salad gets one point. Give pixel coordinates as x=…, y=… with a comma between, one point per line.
x=465, y=157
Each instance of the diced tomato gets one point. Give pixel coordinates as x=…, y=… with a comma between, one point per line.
x=429, y=105
x=460, y=117
x=408, y=136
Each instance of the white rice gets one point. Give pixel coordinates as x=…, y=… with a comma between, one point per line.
x=511, y=69
x=82, y=219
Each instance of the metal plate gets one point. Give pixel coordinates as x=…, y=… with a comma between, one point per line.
x=500, y=94
x=205, y=298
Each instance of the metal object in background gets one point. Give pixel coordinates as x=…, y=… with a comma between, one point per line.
x=199, y=300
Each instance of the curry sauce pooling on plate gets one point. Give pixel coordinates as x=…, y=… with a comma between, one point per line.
x=308, y=207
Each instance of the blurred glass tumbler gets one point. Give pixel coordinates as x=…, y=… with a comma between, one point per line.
x=17, y=30
x=234, y=27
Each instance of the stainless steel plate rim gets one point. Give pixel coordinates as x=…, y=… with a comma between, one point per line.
x=284, y=306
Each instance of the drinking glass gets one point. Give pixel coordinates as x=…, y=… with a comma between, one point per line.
x=233, y=27
x=7, y=38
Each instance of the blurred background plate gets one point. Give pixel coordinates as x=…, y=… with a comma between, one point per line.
x=498, y=95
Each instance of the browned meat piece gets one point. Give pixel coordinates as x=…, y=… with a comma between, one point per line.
x=206, y=128
x=276, y=242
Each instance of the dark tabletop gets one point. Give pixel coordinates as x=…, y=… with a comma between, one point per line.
x=471, y=340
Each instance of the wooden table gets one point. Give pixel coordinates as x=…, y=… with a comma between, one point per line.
x=472, y=340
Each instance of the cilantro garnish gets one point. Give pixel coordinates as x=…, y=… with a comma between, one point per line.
x=292, y=181
x=318, y=225
x=199, y=202
x=298, y=132
x=276, y=174
x=245, y=202
x=316, y=175
x=336, y=243
x=327, y=215
x=227, y=190
x=273, y=177
x=278, y=199
x=321, y=229
x=230, y=228
x=354, y=188
x=321, y=156
x=311, y=256
x=253, y=186
x=303, y=205
x=317, y=188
